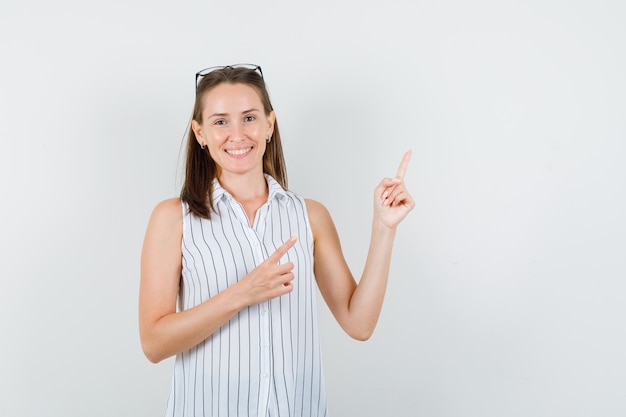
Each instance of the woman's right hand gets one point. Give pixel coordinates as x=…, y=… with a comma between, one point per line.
x=270, y=279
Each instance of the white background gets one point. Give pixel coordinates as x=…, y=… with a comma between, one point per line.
x=507, y=293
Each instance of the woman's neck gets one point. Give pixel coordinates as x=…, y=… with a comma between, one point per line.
x=244, y=188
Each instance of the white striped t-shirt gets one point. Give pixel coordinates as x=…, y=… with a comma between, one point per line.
x=266, y=361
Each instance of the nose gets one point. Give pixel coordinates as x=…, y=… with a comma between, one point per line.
x=237, y=132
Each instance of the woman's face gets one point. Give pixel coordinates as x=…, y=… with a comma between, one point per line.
x=235, y=128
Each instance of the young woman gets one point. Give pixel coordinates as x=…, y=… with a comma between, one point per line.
x=241, y=255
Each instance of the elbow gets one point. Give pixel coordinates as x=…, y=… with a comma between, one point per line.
x=359, y=329
x=152, y=350
x=361, y=334
x=151, y=354
x=153, y=343
x=152, y=357
x=361, y=337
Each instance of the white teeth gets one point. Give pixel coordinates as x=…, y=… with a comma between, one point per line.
x=238, y=151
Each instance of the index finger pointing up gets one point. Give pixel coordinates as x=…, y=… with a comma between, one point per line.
x=275, y=257
x=404, y=163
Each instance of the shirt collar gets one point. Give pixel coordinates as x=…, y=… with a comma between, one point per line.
x=275, y=191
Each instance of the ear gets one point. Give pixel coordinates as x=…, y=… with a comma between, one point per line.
x=271, y=119
x=197, y=130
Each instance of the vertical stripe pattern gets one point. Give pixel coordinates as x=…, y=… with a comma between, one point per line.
x=266, y=361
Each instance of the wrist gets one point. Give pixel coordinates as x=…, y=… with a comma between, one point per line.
x=234, y=297
x=380, y=228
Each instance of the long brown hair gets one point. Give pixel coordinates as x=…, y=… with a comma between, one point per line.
x=200, y=168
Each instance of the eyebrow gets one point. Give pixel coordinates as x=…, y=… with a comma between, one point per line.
x=226, y=114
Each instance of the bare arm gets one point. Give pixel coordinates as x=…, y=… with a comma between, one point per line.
x=164, y=331
x=357, y=307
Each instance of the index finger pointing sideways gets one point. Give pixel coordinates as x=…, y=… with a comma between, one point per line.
x=404, y=163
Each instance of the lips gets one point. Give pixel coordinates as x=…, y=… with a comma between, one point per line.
x=238, y=152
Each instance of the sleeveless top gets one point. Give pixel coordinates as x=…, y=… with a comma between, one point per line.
x=266, y=360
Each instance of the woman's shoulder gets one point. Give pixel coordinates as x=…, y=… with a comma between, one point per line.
x=314, y=206
x=168, y=211
x=169, y=205
x=319, y=216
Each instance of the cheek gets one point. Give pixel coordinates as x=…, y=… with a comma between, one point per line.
x=214, y=148
x=252, y=130
x=215, y=136
x=213, y=143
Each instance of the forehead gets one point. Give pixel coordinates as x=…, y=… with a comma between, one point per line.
x=227, y=98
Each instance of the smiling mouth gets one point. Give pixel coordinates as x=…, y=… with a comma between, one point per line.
x=238, y=152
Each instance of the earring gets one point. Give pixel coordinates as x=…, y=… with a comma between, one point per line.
x=203, y=146
x=269, y=139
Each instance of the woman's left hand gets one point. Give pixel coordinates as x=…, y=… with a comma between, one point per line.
x=392, y=201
